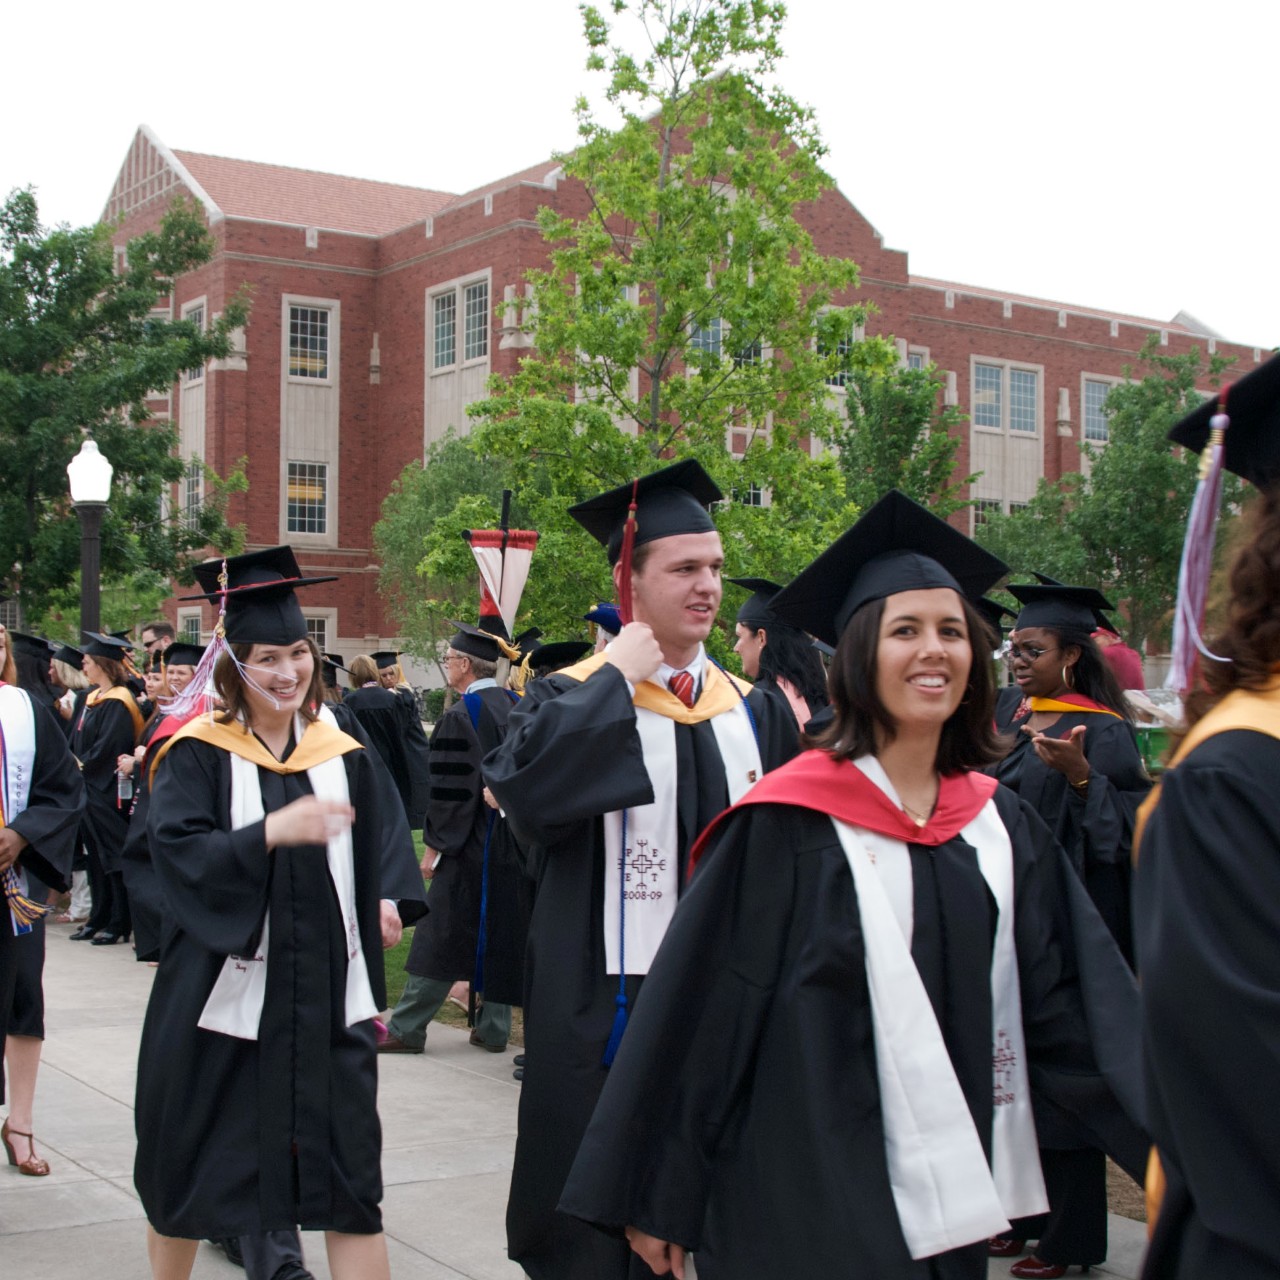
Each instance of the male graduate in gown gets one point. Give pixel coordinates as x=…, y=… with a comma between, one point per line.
x=609, y=771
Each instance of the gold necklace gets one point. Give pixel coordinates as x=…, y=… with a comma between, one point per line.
x=915, y=815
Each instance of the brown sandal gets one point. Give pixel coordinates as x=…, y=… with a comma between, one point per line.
x=33, y=1166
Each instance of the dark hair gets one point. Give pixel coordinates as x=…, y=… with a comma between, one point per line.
x=33, y=676
x=161, y=630
x=1092, y=675
x=235, y=698
x=969, y=739
x=1251, y=641
x=789, y=653
x=113, y=669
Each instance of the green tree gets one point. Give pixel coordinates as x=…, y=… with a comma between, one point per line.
x=1120, y=527
x=899, y=436
x=684, y=309
x=82, y=347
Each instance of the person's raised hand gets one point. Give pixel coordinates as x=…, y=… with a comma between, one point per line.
x=636, y=652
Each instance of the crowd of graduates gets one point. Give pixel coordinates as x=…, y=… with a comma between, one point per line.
x=831, y=970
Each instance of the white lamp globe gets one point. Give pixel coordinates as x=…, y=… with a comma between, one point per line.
x=90, y=475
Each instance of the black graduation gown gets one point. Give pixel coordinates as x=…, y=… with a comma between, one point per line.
x=572, y=754
x=459, y=824
x=1096, y=830
x=392, y=723
x=146, y=902
x=1207, y=920
x=742, y=1115
x=771, y=689
x=50, y=824
x=101, y=734
x=240, y=1136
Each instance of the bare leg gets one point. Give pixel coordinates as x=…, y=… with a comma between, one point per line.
x=22, y=1057
x=353, y=1257
x=171, y=1257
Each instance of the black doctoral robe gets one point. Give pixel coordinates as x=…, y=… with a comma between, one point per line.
x=50, y=824
x=572, y=754
x=459, y=825
x=146, y=902
x=1207, y=920
x=391, y=721
x=100, y=735
x=241, y=1136
x=742, y=1116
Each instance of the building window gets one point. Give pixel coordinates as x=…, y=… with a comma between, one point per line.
x=318, y=633
x=189, y=628
x=308, y=342
x=1006, y=398
x=843, y=350
x=192, y=493
x=751, y=495
x=917, y=357
x=475, y=320
x=195, y=315
x=1095, y=413
x=748, y=356
x=706, y=338
x=11, y=614
x=984, y=509
x=307, y=510
x=446, y=330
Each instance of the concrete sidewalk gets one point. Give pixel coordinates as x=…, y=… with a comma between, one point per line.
x=449, y=1123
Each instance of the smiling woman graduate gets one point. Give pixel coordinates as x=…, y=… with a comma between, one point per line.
x=830, y=1070
x=277, y=840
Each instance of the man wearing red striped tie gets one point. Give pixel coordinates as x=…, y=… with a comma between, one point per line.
x=609, y=771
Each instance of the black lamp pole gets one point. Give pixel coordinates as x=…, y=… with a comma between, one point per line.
x=90, y=514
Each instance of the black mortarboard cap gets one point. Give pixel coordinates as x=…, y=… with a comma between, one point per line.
x=992, y=611
x=757, y=612
x=1251, y=446
x=474, y=642
x=606, y=616
x=1056, y=605
x=668, y=502
x=69, y=654
x=99, y=646
x=261, y=605
x=896, y=546
x=180, y=654
x=32, y=646
x=563, y=653
x=385, y=658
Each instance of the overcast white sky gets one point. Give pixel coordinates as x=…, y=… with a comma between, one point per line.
x=1117, y=155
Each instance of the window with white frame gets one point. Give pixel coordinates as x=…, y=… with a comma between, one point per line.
x=444, y=320
x=11, y=614
x=707, y=338
x=843, y=349
x=189, y=627
x=475, y=320
x=307, y=505
x=748, y=356
x=984, y=509
x=1096, y=428
x=195, y=316
x=318, y=632
x=192, y=492
x=750, y=495
x=308, y=342
x=1006, y=398
x=917, y=357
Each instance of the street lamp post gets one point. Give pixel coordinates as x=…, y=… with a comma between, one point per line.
x=90, y=475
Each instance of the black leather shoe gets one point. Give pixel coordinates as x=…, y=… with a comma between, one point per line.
x=293, y=1271
x=83, y=933
x=518, y=1073
x=518, y=1060
x=106, y=938
x=230, y=1245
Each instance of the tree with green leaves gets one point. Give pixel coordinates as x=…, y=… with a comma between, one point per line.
x=684, y=309
x=1120, y=525
x=898, y=435
x=83, y=343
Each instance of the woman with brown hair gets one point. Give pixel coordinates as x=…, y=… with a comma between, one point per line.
x=1207, y=888
x=282, y=856
x=106, y=728
x=830, y=1064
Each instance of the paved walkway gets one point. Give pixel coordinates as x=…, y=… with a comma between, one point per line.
x=449, y=1121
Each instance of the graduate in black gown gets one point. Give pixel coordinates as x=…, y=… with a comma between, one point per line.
x=1074, y=759
x=282, y=853
x=391, y=721
x=881, y=953
x=780, y=660
x=1207, y=901
x=611, y=742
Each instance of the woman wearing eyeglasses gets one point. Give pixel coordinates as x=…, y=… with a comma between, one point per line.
x=1074, y=758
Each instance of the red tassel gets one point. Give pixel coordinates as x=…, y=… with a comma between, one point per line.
x=624, y=559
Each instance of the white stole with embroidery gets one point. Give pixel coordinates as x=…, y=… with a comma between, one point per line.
x=652, y=865
x=945, y=1192
x=234, y=1007
x=18, y=718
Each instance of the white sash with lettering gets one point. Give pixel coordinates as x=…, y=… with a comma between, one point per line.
x=650, y=878
x=18, y=720
x=234, y=1007
x=944, y=1191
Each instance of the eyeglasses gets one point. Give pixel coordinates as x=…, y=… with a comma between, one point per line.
x=455, y=657
x=1028, y=651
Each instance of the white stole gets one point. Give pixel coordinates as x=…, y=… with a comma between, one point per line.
x=652, y=865
x=18, y=718
x=945, y=1192
x=234, y=1007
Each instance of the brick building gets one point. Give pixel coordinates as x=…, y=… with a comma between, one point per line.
x=374, y=324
